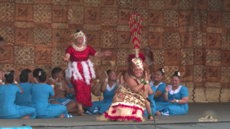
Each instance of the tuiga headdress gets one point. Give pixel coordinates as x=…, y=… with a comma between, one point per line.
x=135, y=27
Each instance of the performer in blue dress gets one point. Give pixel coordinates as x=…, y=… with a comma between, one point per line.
x=108, y=88
x=40, y=95
x=25, y=98
x=159, y=85
x=177, y=95
x=160, y=88
x=9, y=110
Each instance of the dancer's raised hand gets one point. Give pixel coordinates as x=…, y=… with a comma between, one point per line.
x=106, y=75
x=98, y=75
x=65, y=58
x=108, y=53
x=122, y=81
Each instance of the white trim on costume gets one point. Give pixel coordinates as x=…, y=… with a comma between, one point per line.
x=86, y=72
x=75, y=71
x=87, y=66
x=175, y=91
x=111, y=88
x=68, y=71
x=158, y=85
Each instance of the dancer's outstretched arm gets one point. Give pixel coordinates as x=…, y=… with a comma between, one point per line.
x=102, y=54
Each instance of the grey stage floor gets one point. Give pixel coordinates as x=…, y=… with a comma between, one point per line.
x=220, y=111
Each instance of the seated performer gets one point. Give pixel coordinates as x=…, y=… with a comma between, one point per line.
x=61, y=90
x=107, y=88
x=130, y=101
x=160, y=88
x=80, y=70
x=177, y=95
x=9, y=110
x=40, y=95
x=25, y=98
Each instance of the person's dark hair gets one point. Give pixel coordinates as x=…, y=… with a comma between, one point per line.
x=123, y=73
x=24, y=75
x=78, y=30
x=176, y=74
x=161, y=70
x=109, y=71
x=35, y=72
x=41, y=76
x=9, y=76
x=27, y=70
x=56, y=70
x=1, y=39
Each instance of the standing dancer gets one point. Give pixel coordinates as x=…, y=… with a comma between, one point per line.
x=80, y=69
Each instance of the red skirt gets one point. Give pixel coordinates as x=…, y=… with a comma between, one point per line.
x=82, y=92
x=81, y=77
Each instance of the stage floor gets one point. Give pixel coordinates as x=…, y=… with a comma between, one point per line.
x=220, y=111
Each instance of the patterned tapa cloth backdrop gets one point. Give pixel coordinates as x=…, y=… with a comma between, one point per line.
x=191, y=36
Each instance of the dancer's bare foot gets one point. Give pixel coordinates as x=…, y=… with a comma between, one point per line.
x=81, y=113
x=158, y=113
x=26, y=117
x=62, y=116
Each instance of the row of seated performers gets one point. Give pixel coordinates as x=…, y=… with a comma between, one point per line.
x=32, y=97
x=164, y=99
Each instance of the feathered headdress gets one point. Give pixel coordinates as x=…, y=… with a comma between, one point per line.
x=135, y=27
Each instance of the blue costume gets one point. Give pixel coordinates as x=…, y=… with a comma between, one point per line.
x=103, y=106
x=9, y=110
x=70, y=96
x=25, y=98
x=153, y=106
x=159, y=101
x=40, y=95
x=175, y=108
x=160, y=87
